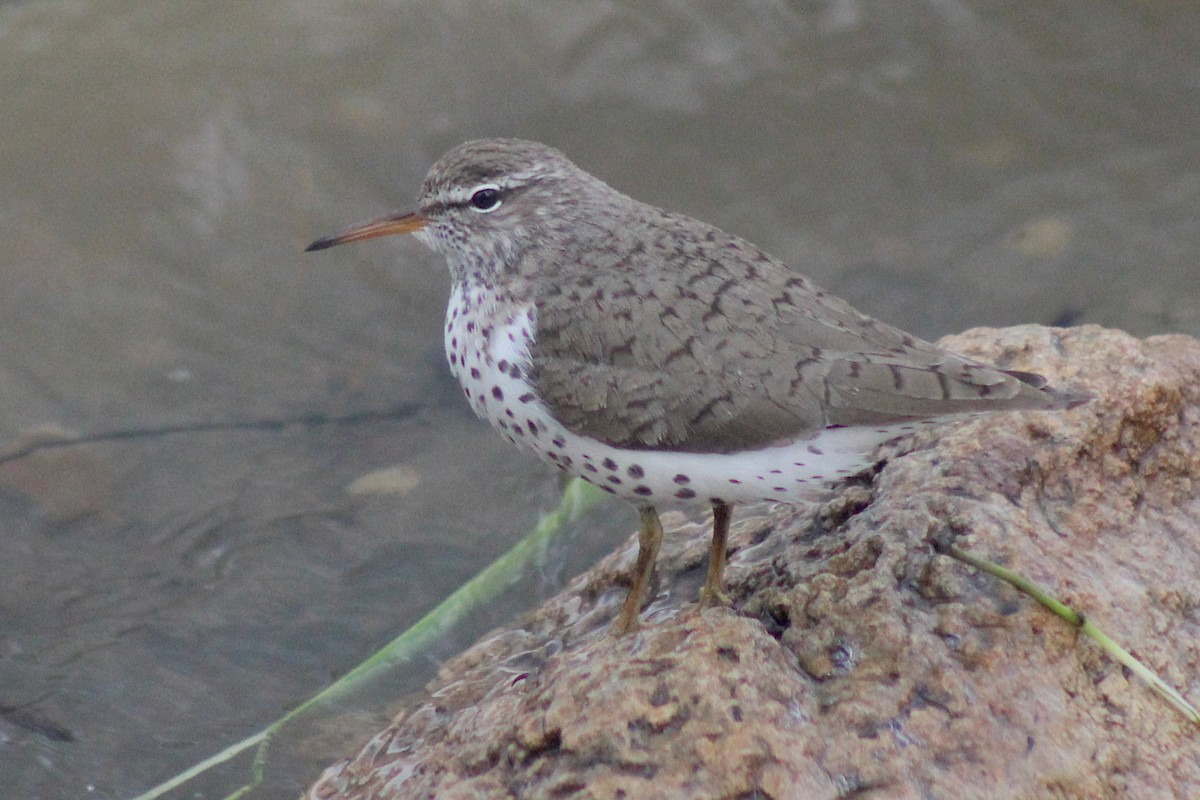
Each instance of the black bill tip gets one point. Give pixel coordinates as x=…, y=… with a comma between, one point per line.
x=324, y=243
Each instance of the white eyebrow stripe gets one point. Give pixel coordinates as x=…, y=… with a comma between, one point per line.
x=457, y=195
x=521, y=177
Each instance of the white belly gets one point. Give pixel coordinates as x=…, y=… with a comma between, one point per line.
x=490, y=360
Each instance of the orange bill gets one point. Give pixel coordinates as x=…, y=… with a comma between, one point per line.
x=386, y=225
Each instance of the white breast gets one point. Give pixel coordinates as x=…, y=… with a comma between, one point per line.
x=487, y=345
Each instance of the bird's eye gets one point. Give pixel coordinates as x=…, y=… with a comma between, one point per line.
x=486, y=198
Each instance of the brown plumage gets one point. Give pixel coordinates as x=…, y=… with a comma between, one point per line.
x=661, y=358
x=693, y=339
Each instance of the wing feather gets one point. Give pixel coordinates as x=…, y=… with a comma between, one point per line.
x=697, y=340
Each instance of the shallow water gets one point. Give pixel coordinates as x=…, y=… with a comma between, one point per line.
x=168, y=592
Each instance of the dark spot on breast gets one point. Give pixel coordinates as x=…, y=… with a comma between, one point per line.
x=527, y=397
x=502, y=365
x=558, y=441
x=644, y=491
x=590, y=467
x=499, y=395
x=635, y=471
x=533, y=428
x=681, y=479
x=684, y=494
x=614, y=480
x=475, y=373
x=609, y=464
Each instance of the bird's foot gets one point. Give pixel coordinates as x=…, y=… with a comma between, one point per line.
x=713, y=596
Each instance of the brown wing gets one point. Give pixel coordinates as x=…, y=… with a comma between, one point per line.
x=696, y=340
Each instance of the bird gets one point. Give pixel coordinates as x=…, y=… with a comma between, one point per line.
x=662, y=359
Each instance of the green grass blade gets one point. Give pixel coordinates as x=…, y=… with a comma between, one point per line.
x=577, y=498
x=1075, y=619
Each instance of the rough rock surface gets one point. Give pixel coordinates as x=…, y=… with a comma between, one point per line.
x=854, y=661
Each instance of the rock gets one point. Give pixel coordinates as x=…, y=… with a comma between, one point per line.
x=855, y=661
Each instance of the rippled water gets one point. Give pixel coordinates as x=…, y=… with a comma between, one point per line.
x=174, y=588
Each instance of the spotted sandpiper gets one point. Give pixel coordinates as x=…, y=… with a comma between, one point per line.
x=662, y=359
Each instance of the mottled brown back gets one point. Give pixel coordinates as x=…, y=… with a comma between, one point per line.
x=678, y=335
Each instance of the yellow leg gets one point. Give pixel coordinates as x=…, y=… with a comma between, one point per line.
x=711, y=593
x=650, y=536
